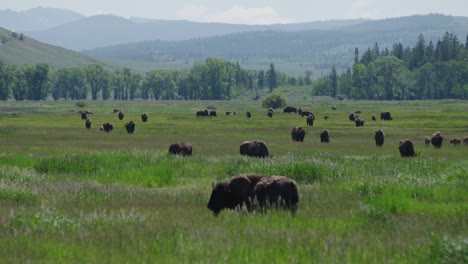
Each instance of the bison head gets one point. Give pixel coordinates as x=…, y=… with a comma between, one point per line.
x=220, y=198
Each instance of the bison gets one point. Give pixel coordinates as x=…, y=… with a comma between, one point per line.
x=290, y=109
x=212, y=113
x=427, y=141
x=455, y=141
x=121, y=115
x=181, y=148
x=324, y=136
x=374, y=118
x=254, y=148
x=270, y=112
x=106, y=127
x=385, y=116
x=406, y=148
x=88, y=123
x=298, y=134
x=248, y=114
x=310, y=120
x=233, y=194
x=144, y=117
x=230, y=113
x=436, y=139
x=83, y=115
x=277, y=190
x=130, y=127
x=333, y=108
x=202, y=113
x=325, y=117
x=465, y=140
x=359, y=121
x=306, y=113
x=379, y=137
x=351, y=117
x=116, y=110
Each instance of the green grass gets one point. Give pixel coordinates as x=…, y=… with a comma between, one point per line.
x=68, y=194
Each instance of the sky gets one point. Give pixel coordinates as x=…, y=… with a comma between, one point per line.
x=250, y=11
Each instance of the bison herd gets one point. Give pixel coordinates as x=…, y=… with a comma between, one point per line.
x=250, y=190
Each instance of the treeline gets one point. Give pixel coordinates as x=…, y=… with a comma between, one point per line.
x=425, y=71
x=215, y=79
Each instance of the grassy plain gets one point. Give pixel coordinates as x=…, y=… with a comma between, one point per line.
x=68, y=194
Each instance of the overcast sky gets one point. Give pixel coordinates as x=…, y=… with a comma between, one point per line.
x=250, y=11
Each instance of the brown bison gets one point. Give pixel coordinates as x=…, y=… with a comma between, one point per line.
x=374, y=118
x=270, y=112
x=83, y=115
x=379, y=137
x=465, y=140
x=116, y=110
x=455, y=141
x=325, y=117
x=351, y=117
x=107, y=127
x=436, y=139
x=385, y=116
x=298, y=134
x=310, y=119
x=239, y=190
x=121, y=115
x=406, y=148
x=277, y=190
x=359, y=121
x=202, y=113
x=181, y=148
x=325, y=136
x=248, y=114
x=213, y=113
x=254, y=148
x=290, y=109
x=144, y=117
x=88, y=123
x=307, y=113
x=130, y=127
x=427, y=141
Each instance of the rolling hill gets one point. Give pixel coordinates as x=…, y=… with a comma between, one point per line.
x=29, y=51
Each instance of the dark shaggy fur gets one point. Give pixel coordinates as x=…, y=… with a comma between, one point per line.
x=181, y=148
x=325, y=136
x=254, y=148
x=130, y=127
x=437, y=139
x=406, y=148
x=379, y=137
x=298, y=134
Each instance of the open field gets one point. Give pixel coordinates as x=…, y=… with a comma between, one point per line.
x=68, y=194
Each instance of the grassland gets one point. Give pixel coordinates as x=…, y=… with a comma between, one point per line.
x=68, y=194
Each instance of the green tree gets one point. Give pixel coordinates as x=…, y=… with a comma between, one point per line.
x=356, y=55
x=20, y=87
x=7, y=74
x=37, y=81
x=98, y=79
x=418, y=53
x=271, y=77
x=261, y=79
x=274, y=100
x=333, y=82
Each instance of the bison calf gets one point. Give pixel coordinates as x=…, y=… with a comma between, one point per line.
x=455, y=141
x=277, y=191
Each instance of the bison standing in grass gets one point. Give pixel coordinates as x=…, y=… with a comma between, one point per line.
x=233, y=194
x=455, y=141
x=290, y=109
x=248, y=114
x=270, y=112
x=310, y=119
x=385, y=116
x=406, y=148
x=427, y=141
x=325, y=136
x=374, y=118
x=107, y=127
x=351, y=117
x=121, y=115
x=437, y=139
x=130, y=127
x=88, y=123
x=144, y=118
x=298, y=134
x=202, y=113
x=379, y=137
x=465, y=140
x=359, y=121
x=254, y=148
x=277, y=191
x=181, y=148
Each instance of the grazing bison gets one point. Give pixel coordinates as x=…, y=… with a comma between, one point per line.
x=298, y=134
x=230, y=113
x=83, y=116
x=181, y=148
x=333, y=108
x=465, y=140
x=306, y=113
x=351, y=117
x=359, y=121
x=254, y=148
x=385, y=116
x=233, y=194
x=325, y=117
x=248, y=114
x=88, y=123
x=310, y=120
x=130, y=127
x=437, y=139
x=277, y=190
x=406, y=148
x=144, y=117
x=325, y=136
x=427, y=141
x=290, y=109
x=107, y=127
x=212, y=113
x=202, y=113
x=379, y=137
x=374, y=118
x=455, y=141
x=116, y=110
x=121, y=115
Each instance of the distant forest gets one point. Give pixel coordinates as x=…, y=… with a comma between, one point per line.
x=215, y=79
x=425, y=71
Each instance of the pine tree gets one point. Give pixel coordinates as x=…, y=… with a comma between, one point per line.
x=356, y=55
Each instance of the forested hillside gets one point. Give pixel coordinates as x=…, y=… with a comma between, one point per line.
x=428, y=70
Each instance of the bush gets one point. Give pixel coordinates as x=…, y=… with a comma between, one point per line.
x=274, y=100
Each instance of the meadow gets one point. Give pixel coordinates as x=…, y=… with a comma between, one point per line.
x=71, y=194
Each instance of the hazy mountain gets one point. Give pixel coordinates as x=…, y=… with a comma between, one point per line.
x=293, y=52
x=29, y=51
x=39, y=18
x=105, y=30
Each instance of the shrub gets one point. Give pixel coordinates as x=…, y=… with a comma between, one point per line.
x=274, y=100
